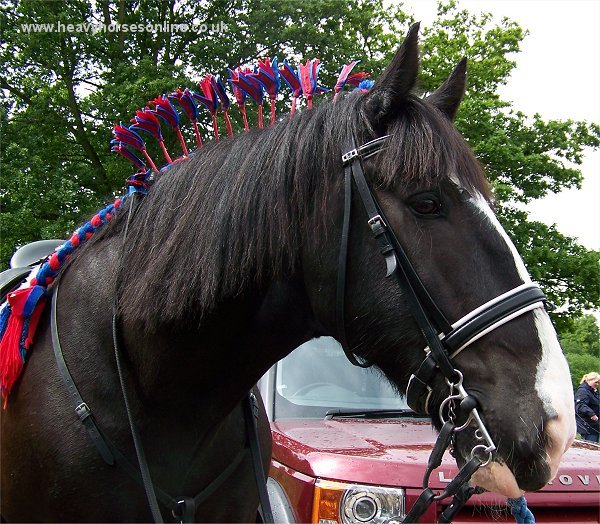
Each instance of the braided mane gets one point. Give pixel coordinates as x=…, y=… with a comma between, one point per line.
x=236, y=212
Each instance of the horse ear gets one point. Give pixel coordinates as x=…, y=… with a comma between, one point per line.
x=385, y=98
x=447, y=97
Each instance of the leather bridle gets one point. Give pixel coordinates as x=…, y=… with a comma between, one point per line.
x=443, y=340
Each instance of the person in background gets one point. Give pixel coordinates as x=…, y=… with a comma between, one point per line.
x=587, y=407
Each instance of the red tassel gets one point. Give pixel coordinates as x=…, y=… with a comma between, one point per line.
x=33, y=322
x=25, y=304
x=11, y=363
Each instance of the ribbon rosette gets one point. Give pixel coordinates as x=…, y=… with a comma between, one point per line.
x=364, y=84
x=219, y=89
x=186, y=100
x=268, y=76
x=242, y=79
x=357, y=78
x=165, y=110
x=309, y=78
x=290, y=77
x=122, y=150
x=209, y=99
x=240, y=98
x=146, y=120
x=129, y=137
x=345, y=77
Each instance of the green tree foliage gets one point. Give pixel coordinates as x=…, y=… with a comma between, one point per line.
x=580, y=365
x=63, y=90
x=582, y=337
x=581, y=344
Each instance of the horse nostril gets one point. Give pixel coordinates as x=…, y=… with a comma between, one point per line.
x=532, y=471
x=528, y=449
x=532, y=483
x=527, y=459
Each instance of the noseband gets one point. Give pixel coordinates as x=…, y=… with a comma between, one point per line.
x=444, y=340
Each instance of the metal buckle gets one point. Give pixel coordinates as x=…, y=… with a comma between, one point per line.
x=178, y=510
x=350, y=155
x=373, y=221
x=83, y=411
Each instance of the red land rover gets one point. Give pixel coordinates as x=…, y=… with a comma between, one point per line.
x=347, y=450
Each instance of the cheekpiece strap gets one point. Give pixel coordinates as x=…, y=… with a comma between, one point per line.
x=422, y=306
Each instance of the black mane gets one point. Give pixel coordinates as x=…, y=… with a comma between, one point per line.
x=233, y=215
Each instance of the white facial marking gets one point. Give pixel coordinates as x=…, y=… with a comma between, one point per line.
x=552, y=380
x=484, y=208
x=553, y=385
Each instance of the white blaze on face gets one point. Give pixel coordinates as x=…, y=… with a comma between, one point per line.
x=553, y=385
x=484, y=208
x=552, y=379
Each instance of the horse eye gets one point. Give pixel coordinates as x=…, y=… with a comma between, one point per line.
x=426, y=205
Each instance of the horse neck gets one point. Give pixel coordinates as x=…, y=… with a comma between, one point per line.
x=211, y=287
x=209, y=367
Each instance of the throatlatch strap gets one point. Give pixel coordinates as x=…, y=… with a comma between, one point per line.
x=139, y=449
x=340, y=312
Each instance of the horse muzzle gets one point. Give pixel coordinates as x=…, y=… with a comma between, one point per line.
x=520, y=464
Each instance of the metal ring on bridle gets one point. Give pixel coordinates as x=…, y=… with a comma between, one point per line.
x=457, y=384
x=470, y=418
x=481, y=448
x=459, y=396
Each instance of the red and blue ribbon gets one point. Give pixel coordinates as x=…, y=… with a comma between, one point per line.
x=165, y=110
x=309, y=79
x=185, y=99
x=128, y=136
x=290, y=77
x=210, y=100
x=146, y=120
x=219, y=88
x=267, y=75
x=243, y=79
x=345, y=77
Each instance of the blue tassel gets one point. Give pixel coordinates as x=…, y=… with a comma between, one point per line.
x=518, y=508
x=4, y=316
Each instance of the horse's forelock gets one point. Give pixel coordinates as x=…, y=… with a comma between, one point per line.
x=424, y=148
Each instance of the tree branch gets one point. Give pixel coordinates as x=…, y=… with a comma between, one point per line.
x=80, y=133
x=16, y=92
x=81, y=80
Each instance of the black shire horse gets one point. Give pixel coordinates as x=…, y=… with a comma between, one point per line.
x=232, y=260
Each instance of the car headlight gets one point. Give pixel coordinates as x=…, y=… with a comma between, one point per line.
x=340, y=503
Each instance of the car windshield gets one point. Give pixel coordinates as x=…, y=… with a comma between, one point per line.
x=317, y=380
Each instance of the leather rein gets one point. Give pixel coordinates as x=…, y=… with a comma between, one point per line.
x=444, y=340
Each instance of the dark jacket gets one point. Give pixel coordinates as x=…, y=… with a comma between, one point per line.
x=587, y=404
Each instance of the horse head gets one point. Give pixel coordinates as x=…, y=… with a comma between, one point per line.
x=431, y=198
